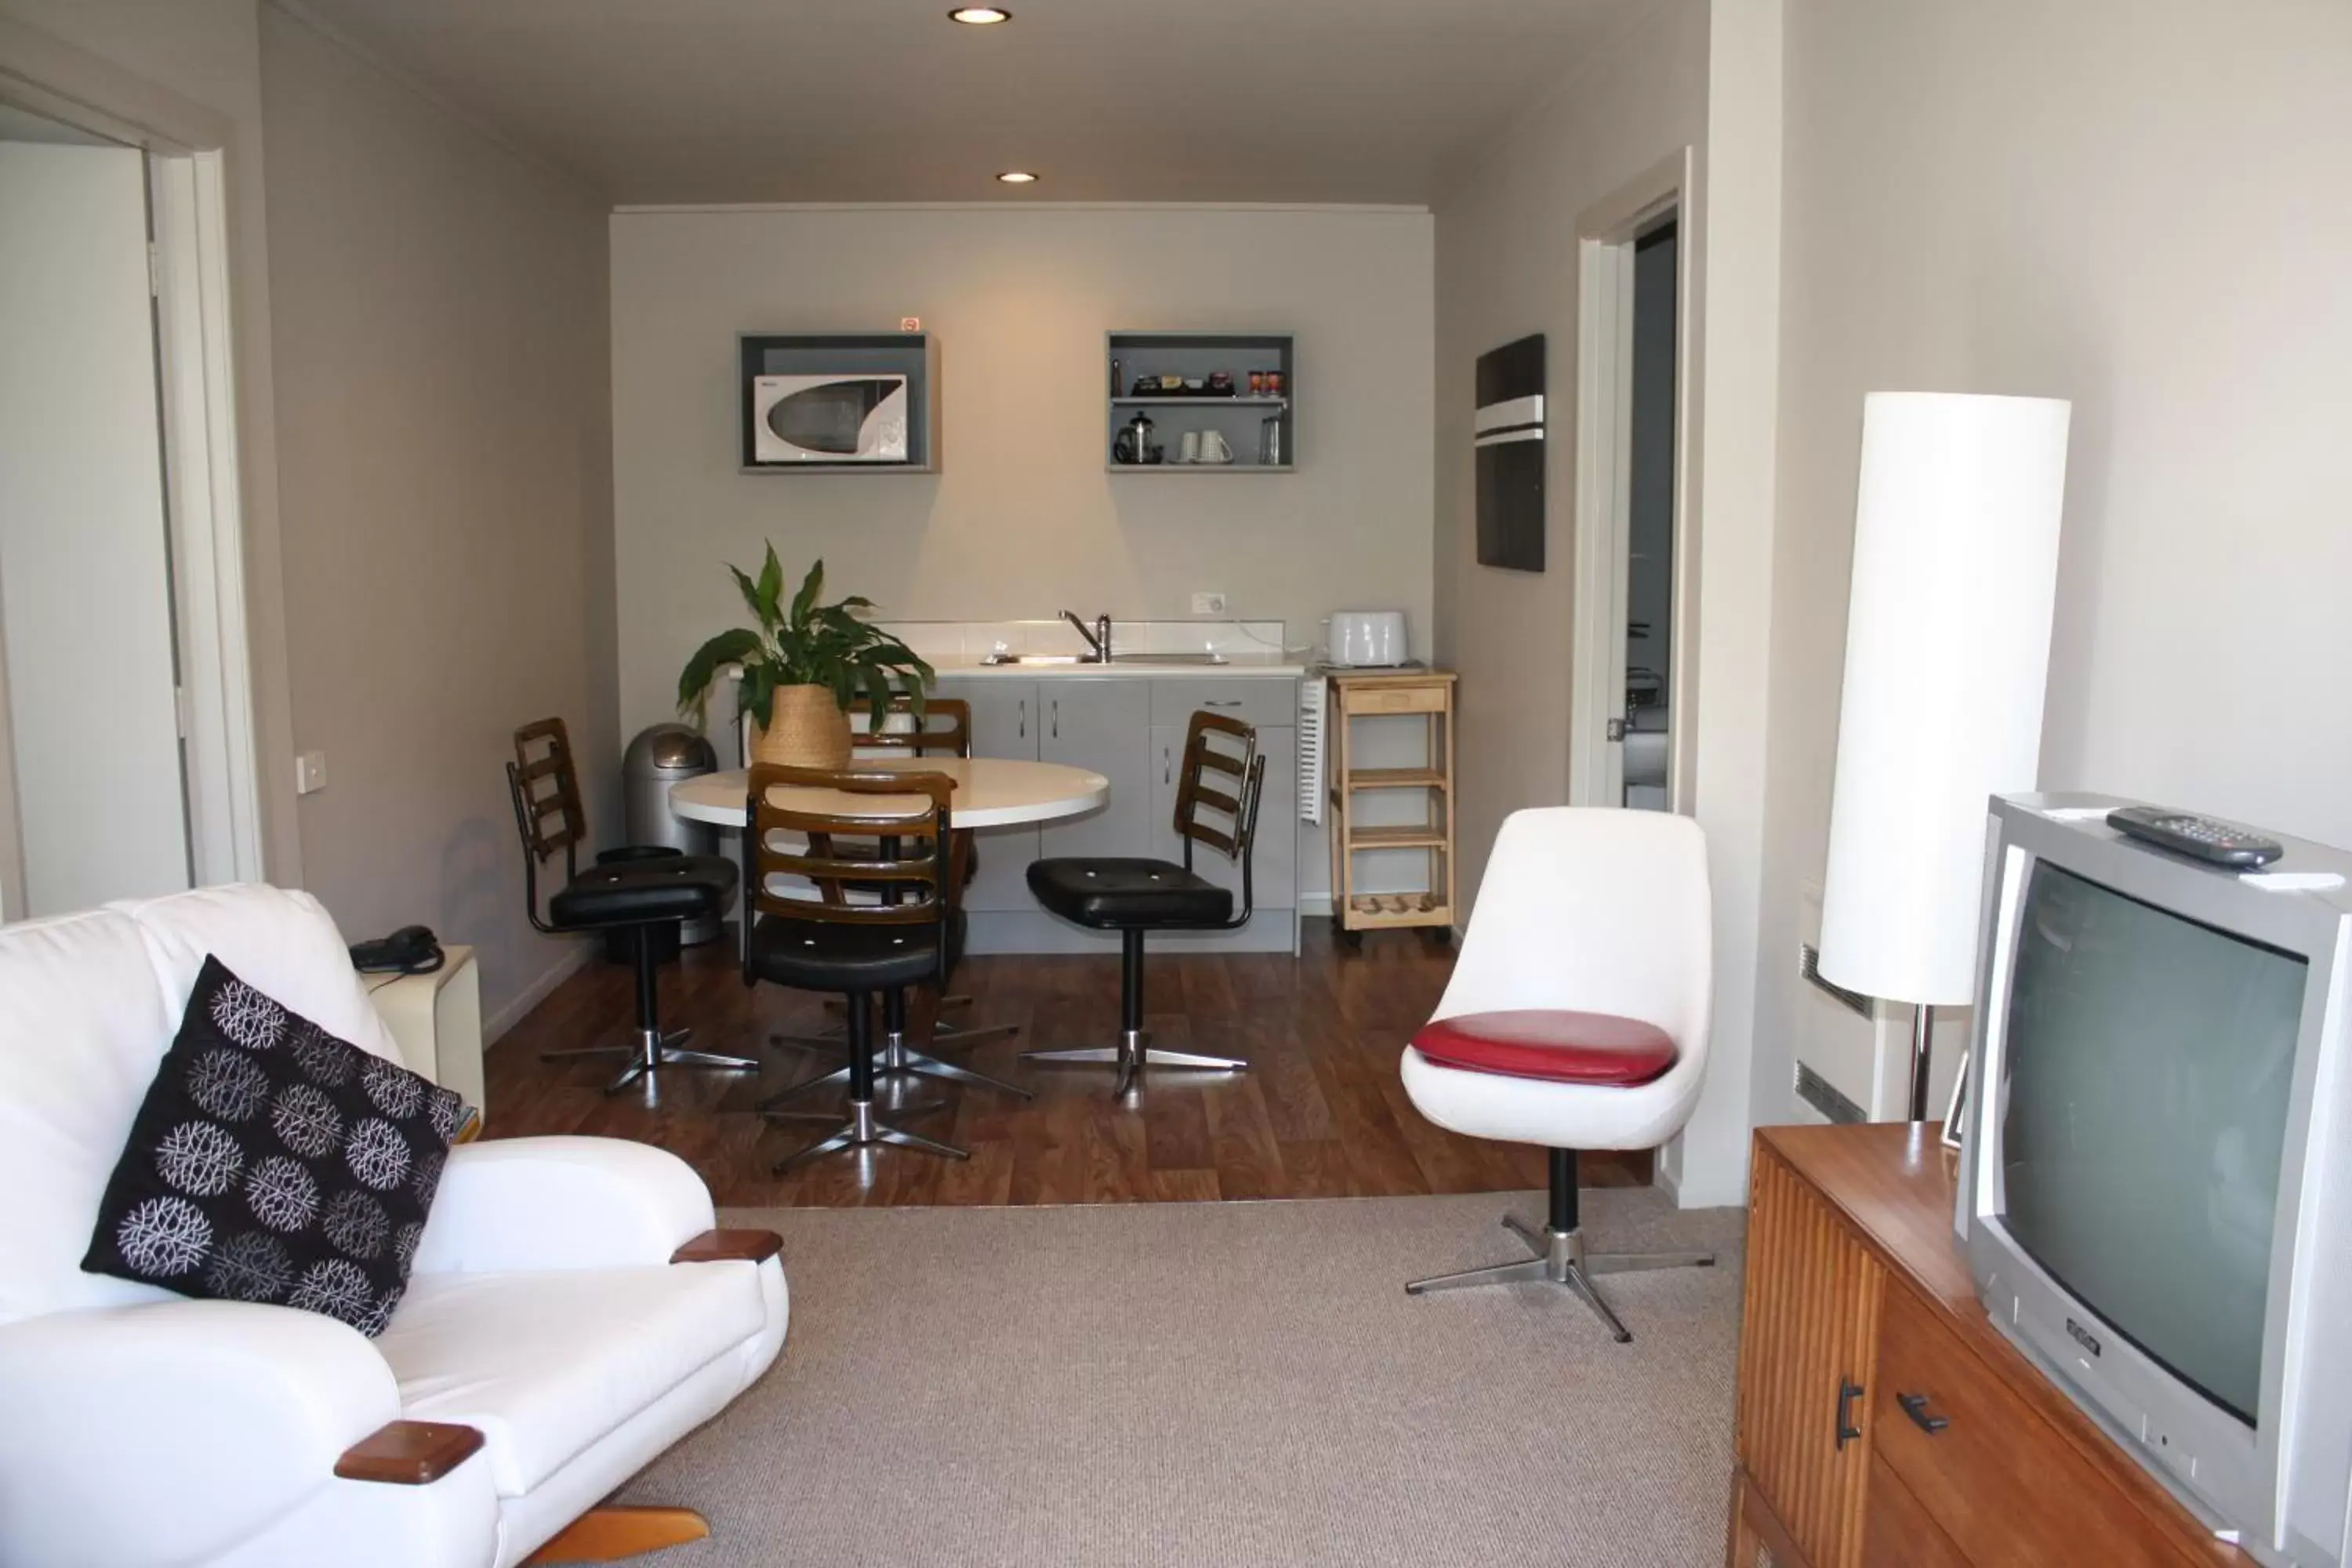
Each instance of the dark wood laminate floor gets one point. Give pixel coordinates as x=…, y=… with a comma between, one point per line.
x=1321, y=1113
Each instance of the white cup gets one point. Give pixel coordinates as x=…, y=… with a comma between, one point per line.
x=1212, y=449
x=1190, y=451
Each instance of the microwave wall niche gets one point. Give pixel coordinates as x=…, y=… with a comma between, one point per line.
x=838, y=402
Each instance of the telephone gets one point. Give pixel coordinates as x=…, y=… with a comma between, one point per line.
x=411, y=950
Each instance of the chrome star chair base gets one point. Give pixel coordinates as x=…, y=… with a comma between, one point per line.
x=1560, y=1257
x=650, y=1053
x=864, y=1128
x=1133, y=1053
x=895, y=1057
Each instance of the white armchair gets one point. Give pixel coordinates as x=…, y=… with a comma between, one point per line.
x=572, y=1311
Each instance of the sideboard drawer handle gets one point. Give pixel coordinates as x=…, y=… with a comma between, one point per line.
x=1848, y=1392
x=1915, y=1405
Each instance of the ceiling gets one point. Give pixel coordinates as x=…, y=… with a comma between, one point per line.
x=876, y=100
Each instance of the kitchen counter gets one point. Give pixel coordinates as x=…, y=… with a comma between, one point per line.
x=1242, y=668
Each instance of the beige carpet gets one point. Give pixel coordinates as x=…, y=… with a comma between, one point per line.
x=1221, y=1384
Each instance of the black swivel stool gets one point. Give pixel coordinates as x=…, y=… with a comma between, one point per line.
x=1133, y=897
x=631, y=892
x=878, y=916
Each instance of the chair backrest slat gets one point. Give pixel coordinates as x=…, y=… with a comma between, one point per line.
x=943, y=729
x=1213, y=742
x=905, y=856
x=543, y=753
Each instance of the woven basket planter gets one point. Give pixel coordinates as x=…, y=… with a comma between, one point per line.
x=805, y=729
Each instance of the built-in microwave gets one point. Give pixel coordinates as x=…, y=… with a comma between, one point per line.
x=857, y=418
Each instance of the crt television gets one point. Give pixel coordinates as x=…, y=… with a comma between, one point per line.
x=2156, y=1175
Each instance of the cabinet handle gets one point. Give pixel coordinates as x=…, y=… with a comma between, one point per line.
x=1226, y=702
x=1915, y=1405
x=1848, y=1392
x=1167, y=766
x=1057, y=718
x=1024, y=718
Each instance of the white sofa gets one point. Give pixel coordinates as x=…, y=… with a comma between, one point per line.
x=139, y=1427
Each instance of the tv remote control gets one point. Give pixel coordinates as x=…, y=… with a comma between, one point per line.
x=2198, y=838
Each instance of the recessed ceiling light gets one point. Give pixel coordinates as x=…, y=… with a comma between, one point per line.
x=1018, y=177
x=979, y=16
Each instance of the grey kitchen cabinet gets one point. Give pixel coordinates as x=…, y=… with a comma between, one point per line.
x=1003, y=724
x=1104, y=725
x=1274, y=868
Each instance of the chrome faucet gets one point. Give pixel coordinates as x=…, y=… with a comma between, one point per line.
x=1097, y=640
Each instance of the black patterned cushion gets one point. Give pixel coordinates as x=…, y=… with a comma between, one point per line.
x=271, y=1162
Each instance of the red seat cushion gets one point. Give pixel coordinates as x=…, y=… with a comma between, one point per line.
x=1553, y=1044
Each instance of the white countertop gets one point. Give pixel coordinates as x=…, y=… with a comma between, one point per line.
x=1233, y=670
x=990, y=791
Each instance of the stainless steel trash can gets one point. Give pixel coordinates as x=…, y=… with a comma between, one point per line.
x=656, y=758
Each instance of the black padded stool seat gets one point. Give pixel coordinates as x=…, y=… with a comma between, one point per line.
x=809, y=955
x=631, y=892
x=1110, y=893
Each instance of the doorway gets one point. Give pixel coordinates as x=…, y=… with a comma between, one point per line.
x=1630, y=719
x=126, y=758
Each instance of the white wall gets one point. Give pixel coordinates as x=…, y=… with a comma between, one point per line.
x=441, y=352
x=2143, y=205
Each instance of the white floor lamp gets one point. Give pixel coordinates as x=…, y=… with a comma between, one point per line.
x=1946, y=650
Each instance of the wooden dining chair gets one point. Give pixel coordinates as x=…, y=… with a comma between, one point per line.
x=636, y=895
x=943, y=729
x=1133, y=896
x=816, y=841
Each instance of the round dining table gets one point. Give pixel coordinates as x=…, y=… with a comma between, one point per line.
x=990, y=791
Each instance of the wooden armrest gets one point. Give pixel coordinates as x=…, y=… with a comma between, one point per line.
x=729, y=1245
x=409, y=1453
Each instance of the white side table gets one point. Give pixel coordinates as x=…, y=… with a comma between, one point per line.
x=436, y=1021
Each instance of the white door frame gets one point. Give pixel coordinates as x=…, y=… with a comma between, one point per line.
x=192, y=291
x=1605, y=237
x=196, y=380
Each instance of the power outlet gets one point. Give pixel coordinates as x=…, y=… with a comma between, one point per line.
x=309, y=773
x=1208, y=604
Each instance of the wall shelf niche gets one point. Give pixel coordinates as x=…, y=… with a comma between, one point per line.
x=1241, y=419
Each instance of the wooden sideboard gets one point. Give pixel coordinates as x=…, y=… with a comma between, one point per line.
x=1882, y=1419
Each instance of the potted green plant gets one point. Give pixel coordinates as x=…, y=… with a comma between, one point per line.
x=803, y=668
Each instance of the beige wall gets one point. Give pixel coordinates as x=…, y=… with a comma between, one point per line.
x=1506, y=267
x=443, y=427
x=2142, y=205
x=1687, y=75
x=1022, y=521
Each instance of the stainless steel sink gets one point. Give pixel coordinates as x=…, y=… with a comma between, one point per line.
x=1016, y=658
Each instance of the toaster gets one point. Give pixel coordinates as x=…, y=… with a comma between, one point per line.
x=1367, y=639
